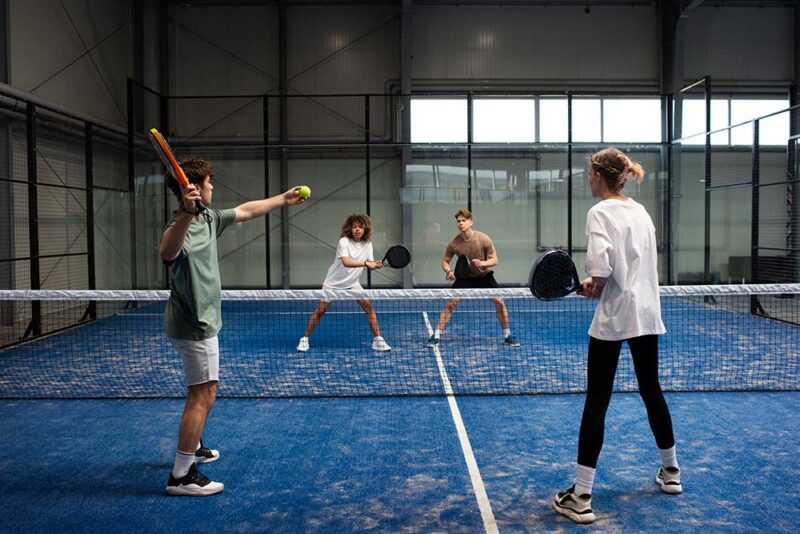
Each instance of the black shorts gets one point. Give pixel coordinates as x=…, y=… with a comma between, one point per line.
x=486, y=281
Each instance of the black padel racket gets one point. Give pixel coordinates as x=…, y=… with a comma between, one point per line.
x=553, y=276
x=462, y=269
x=397, y=257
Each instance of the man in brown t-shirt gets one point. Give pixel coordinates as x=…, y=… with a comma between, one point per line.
x=478, y=249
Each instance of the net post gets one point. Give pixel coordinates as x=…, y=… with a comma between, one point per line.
x=793, y=180
x=90, y=252
x=283, y=78
x=366, y=170
x=755, y=197
x=35, y=326
x=131, y=176
x=469, y=149
x=667, y=165
x=569, y=173
x=163, y=118
x=707, y=192
x=265, y=128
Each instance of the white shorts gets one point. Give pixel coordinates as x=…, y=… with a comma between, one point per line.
x=200, y=359
x=356, y=287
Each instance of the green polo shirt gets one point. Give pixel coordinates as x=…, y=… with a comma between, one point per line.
x=193, y=309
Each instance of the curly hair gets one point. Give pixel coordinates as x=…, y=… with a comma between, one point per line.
x=196, y=170
x=357, y=220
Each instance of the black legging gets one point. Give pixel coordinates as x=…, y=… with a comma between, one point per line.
x=603, y=358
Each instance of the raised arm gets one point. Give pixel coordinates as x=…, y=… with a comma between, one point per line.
x=259, y=208
x=173, y=237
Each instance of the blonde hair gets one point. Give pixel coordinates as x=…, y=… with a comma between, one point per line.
x=361, y=220
x=615, y=168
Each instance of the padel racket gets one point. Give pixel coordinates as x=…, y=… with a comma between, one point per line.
x=553, y=276
x=462, y=269
x=168, y=159
x=397, y=257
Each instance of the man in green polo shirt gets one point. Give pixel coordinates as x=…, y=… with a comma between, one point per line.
x=193, y=317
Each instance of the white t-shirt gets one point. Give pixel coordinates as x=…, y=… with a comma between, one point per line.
x=341, y=277
x=622, y=247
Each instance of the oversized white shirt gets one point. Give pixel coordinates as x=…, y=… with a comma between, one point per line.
x=622, y=247
x=341, y=277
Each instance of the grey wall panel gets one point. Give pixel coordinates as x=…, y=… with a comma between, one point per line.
x=535, y=43
x=740, y=44
x=48, y=54
x=349, y=49
x=224, y=50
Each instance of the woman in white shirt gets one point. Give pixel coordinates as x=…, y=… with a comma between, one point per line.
x=622, y=262
x=353, y=254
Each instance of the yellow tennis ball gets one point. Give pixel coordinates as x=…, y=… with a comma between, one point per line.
x=304, y=191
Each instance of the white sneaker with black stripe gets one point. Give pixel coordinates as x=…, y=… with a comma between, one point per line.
x=193, y=484
x=669, y=478
x=578, y=508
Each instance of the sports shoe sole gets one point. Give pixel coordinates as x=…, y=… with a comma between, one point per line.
x=194, y=490
x=672, y=489
x=575, y=516
x=204, y=460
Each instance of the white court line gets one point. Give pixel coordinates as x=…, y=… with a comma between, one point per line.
x=489, y=522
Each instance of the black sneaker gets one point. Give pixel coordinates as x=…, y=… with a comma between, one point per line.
x=194, y=484
x=578, y=508
x=204, y=455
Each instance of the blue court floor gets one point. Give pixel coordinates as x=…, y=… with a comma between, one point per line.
x=397, y=465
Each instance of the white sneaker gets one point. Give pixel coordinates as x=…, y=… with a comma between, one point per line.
x=194, y=484
x=379, y=345
x=303, y=345
x=669, y=478
x=577, y=508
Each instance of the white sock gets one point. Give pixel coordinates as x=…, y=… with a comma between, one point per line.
x=436, y=333
x=506, y=332
x=584, y=480
x=183, y=461
x=668, y=457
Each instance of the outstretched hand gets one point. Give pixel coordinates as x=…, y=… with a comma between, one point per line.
x=292, y=196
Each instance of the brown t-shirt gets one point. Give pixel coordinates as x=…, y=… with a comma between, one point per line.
x=478, y=247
